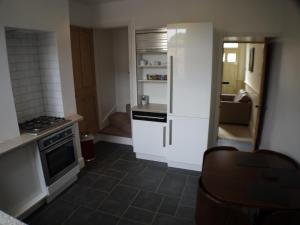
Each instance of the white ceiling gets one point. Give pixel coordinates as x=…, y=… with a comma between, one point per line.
x=94, y=1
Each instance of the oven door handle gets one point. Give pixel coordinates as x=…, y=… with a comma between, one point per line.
x=48, y=150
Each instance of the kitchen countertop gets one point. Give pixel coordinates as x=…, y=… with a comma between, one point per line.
x=6, y=219
x=156, y=108
x=25, y=138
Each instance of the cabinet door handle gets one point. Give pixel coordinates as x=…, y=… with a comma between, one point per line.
x=164, y=136
x=171, y=84
x=149, y=117
x=170, y=131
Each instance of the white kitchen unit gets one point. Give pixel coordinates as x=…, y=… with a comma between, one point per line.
x=186, y=142
x=189, y=63
x=149, y=143
x=149, y=133
x=190, y=48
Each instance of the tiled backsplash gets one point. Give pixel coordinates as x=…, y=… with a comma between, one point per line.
x=33, y=63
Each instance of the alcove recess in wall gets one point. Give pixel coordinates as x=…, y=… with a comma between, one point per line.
x=34, y=72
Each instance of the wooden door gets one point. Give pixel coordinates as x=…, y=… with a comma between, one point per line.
x=84, y=78
x=230, y=71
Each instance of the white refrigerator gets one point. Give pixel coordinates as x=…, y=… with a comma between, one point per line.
x=190, y=53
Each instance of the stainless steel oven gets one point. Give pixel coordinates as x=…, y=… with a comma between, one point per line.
x=58, y=154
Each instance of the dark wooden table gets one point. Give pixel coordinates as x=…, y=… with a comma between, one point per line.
x=251, y=180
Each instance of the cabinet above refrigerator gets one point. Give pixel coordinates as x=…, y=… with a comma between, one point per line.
x=151, y=69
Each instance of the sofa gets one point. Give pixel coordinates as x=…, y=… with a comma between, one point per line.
x=235, y=108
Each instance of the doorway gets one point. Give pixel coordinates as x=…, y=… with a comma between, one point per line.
x=243, y=76
x=113, y=81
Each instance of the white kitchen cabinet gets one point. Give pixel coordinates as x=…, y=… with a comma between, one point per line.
x=190, y=47
x=186, y=142
x=149, y=139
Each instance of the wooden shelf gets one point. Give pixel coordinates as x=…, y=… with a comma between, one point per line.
x=152, y=66
x=152, y=81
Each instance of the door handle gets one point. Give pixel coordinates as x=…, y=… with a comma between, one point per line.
x=171, y=84
x=149, y=117
x=225, y=82
x=170, y=132
x=164, y=136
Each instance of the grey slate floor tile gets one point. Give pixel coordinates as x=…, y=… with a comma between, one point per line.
x=185, y=212
x=173, y=184
x=118, y=189
x=123, y=194
x=113, y=207
x=170, y=220
x=55, y=214
x=139, y=215
x=169, y=205
x=85, y=196
x=148, y=200
x=86, y=216
x=128, y=222
x=105, y=183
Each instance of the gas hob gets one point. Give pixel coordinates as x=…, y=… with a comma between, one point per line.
x=42, y=123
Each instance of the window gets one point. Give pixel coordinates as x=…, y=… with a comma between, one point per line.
x=231, y=45
x=231, y=57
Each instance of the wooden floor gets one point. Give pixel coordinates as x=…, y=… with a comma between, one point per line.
x=119, y=125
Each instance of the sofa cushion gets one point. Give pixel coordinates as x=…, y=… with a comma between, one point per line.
x=242, y=96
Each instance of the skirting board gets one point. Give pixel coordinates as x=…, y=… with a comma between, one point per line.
x=180, y=165
x=113, y=139
x=81, y=162
x=187, y=166
x=150, y=157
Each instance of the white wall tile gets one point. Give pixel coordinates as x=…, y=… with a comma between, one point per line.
x=34, y=68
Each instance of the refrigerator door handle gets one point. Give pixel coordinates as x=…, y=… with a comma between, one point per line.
x=170, y=132
x=171, y=84
x=164, y=136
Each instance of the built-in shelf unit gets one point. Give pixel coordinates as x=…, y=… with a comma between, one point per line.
x=151, y=58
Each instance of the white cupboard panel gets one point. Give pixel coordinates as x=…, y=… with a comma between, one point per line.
x=187, y=140
x=148, y=139
x=190, y=46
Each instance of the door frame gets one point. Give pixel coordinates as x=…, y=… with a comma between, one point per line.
x=263, y=87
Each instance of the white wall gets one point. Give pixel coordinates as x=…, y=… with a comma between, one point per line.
x=112, y=71
x=37, y=15
x=121, y=68
x=282, y=124
x=80, y=14
x=231, y=16
x=253, y=80
x=105, y=77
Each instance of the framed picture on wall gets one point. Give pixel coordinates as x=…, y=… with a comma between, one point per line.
x=251, y=59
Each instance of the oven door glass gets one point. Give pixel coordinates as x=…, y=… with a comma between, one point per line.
x=59, y=159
